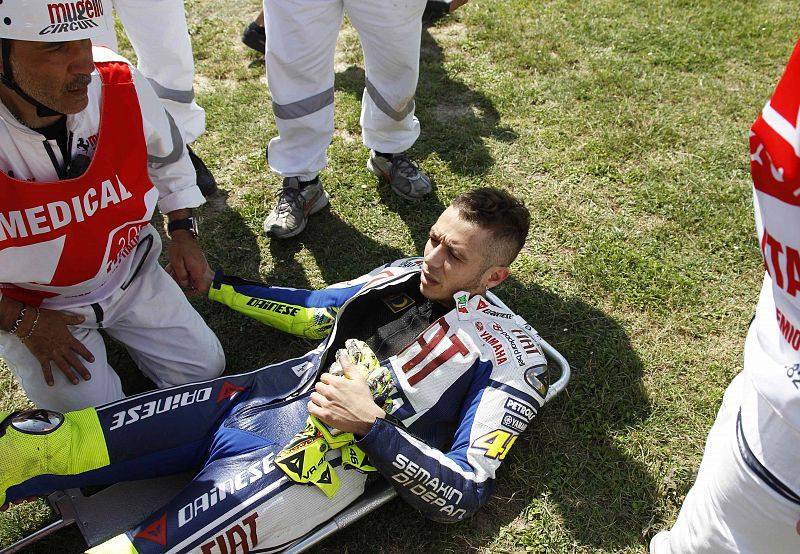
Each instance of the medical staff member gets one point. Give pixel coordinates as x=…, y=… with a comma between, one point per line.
x=747, y=495
x=77, y=251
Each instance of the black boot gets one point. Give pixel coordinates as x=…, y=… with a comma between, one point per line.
x=255, y=36
x=205, y=180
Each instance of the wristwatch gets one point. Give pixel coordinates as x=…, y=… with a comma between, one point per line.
x=188, y=224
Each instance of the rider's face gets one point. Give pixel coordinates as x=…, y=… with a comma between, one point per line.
x=456, y=258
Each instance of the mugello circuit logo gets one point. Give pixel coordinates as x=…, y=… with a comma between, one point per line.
x=72, y=16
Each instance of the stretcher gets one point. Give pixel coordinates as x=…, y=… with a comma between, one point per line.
x=121, y=506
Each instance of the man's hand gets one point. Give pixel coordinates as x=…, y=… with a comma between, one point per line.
x=187, y=264
x=51, y=341
x=345, y=402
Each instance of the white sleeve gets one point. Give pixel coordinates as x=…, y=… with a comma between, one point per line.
x=169, y=165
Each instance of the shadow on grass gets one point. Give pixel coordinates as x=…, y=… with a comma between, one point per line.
x=568, y=460
x=341, y=251
x=455, y=120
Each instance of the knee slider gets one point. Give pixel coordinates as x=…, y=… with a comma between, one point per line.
x=39, y=442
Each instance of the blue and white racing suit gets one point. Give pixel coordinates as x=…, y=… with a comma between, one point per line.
x=467, y=386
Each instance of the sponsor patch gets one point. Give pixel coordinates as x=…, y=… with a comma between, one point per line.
x=513, y=422
x=520, y=408
x=500, y=355
x=398, y=302
x=417, y=262
x=461, y=302
x=242, y=536
x=156, y=531
x=72, y=16
x=272, y=306
x=222, y=489
x=419, y=482
x=159, y=406
x=494, y=313
x=496, y=444
x=228, y=390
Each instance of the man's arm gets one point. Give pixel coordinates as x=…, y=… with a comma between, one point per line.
x=174, y=177
x=187, y=263
x=444, y=486
x=301, y=312
x=449, y=486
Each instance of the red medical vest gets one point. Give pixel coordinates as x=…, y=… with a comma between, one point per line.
x=775, y=167
x=73, y=234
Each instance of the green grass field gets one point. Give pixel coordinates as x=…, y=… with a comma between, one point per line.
x=624, y=127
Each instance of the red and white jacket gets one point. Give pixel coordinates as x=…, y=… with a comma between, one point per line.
x=773, y=358
x=67, y=243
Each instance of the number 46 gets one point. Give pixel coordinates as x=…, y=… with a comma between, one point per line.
x=497, y=443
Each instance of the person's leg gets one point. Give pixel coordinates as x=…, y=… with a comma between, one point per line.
x=156, y=433
x=241, y=500
x=103, y=387
x=164, y=334
x=729, y=508
x=390, y=34
x=158, y=33
x=301, y=42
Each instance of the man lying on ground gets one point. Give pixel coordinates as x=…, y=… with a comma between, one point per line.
x=458, y=380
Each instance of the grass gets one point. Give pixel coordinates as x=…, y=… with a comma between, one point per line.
x=624, y=126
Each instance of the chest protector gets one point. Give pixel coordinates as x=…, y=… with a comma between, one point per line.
x=69, y=237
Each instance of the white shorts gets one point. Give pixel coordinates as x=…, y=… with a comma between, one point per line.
x=151, y=317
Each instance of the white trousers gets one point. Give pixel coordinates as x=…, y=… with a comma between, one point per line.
x=158, y=33
x=164, y=334
x=730, y=509
x=301, y=44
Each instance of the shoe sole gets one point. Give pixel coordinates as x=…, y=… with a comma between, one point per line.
x=388, y=180
x=321, y=202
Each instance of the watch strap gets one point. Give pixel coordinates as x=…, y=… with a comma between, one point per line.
x=187, y=224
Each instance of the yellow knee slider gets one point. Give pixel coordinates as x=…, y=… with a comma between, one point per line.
x=43, y=442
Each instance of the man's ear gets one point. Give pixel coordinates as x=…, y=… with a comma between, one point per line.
x=494, y=276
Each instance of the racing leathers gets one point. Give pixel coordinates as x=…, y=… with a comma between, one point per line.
x=465, y=388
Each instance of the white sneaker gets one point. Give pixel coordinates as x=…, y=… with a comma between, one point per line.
x=403, y=176
x=296, y=201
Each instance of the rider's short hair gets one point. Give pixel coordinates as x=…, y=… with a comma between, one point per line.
x=503, y=215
